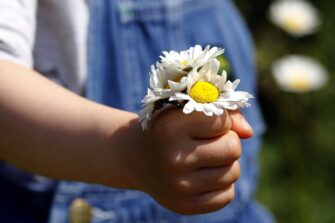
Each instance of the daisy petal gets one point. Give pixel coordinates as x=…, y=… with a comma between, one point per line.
x=228, y=86
x=208, y=109
x=180, y=96
x=189, y=107
x=216, y=111
x=199, y=107
x=236, y=83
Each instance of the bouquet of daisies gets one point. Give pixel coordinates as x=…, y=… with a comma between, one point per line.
x=190, y=79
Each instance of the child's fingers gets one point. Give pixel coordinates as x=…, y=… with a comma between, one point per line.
x=217, y=152
x=201, y=126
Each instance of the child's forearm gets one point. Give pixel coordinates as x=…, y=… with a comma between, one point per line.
x=48, y=130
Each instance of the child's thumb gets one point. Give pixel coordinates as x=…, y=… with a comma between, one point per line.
x=240, y=125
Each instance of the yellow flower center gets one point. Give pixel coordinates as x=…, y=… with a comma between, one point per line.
x=184, y=62
x=204, y=92
x=293, y=24
x=300, y=83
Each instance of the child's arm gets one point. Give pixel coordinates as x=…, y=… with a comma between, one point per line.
x=188, y=163
x=49, y=130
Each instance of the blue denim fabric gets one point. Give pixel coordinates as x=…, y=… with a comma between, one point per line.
x=23, y=201
x=126, y=37
x=24, y=197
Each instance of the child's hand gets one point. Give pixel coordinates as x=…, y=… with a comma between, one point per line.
x=189, y=163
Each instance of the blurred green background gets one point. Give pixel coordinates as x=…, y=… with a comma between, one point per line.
x=297, y=181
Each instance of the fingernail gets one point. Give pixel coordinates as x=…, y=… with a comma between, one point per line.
x=246, y=124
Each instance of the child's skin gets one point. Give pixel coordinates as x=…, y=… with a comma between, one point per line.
x=188, y=163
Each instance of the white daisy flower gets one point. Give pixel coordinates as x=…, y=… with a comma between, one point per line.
x=211, y=93
x=148, y=108
x=299, y=74
x=164, y=82
x=194, y=57
x=297, y=17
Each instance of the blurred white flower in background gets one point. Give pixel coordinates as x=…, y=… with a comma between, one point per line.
x=299, y=74
x=297, y=17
